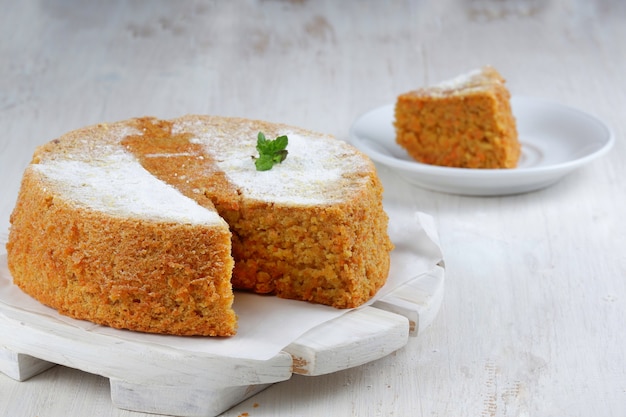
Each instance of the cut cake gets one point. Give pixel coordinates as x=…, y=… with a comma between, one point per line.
x=147, y=224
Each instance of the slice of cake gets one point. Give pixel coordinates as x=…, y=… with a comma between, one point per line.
x=465, y=122
x=148, y=224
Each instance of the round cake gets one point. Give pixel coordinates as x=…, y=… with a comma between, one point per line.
x=149, y=224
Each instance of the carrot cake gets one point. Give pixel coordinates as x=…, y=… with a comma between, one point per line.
x=149, y=224
x=465, y=122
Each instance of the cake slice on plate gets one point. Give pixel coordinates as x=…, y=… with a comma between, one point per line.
x=465, y=122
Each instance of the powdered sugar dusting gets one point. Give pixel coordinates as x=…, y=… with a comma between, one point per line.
x=459, y=81
x=313, y=173
x=117, y=184
x=472, y=81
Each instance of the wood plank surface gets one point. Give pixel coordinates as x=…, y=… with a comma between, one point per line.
x=532, y=320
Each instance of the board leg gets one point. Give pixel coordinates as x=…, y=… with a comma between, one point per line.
x=21, y=367
x=183, y=401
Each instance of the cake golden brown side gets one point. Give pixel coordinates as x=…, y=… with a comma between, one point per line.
x=141, y=224
x=335, y=255
x=128, y=272
x=466, y=122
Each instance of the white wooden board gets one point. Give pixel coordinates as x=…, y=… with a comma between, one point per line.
x=159, y=379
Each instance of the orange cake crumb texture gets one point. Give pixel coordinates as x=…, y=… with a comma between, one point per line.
x=175, y=278
x=466, y=123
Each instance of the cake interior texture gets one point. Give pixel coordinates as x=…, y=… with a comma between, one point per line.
x=149, y=224
x=466, y=122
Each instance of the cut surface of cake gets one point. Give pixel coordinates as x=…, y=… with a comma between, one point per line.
x=148, y=224
x=466, y=122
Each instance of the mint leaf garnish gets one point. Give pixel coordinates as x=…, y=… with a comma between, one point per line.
x=271, y=152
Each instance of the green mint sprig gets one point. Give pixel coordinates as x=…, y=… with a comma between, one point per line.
x=270, y=151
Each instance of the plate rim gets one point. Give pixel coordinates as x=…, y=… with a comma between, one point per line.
x=441, y=171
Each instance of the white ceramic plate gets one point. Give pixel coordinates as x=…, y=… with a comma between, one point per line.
x=555, y=139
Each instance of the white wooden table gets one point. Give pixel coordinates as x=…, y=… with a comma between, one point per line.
x=533, y=318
